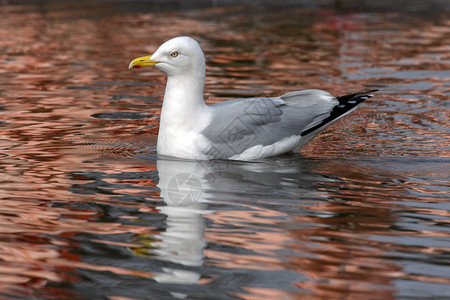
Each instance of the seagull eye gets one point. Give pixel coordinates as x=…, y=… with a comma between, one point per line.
x=174, y=54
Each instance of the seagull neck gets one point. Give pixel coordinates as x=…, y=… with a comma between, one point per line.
x=183, y=100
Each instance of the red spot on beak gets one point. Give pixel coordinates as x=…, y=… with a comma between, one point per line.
x=137, y=66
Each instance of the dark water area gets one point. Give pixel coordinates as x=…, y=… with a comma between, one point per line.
x=88, y=210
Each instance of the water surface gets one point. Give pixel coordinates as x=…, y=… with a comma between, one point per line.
x=87, y=211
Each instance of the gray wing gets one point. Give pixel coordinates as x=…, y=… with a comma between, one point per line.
x=240, y=124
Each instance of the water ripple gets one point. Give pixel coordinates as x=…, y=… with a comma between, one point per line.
x=88, y=211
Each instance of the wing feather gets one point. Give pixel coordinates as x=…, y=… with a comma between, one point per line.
x=240, y=124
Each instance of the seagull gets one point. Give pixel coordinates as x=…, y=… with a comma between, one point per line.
x=237, y=129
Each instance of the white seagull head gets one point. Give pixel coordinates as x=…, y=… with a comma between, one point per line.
x=178, y=56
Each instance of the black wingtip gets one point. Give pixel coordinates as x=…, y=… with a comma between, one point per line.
x=346, y=104
x=345, y=98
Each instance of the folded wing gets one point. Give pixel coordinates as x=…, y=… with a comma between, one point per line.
x=240, y=124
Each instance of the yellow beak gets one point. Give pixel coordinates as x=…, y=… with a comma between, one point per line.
x=144, y=61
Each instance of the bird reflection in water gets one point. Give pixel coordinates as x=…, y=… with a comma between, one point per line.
x=182, y=186
x=187, y=188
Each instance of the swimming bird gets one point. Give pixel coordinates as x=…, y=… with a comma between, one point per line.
x=237, y=129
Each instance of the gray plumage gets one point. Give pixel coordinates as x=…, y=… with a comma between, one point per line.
x=240, y=124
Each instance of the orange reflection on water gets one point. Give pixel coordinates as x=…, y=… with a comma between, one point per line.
x=64, y=83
